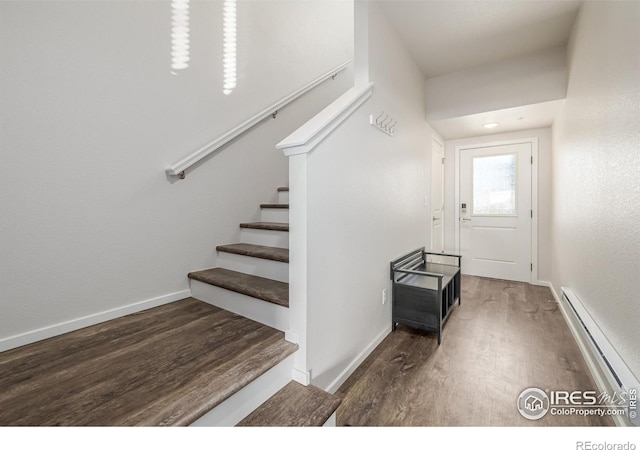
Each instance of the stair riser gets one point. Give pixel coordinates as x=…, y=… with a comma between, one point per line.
x=269, y=238
x=265, y=268
x=274, y=316
x=274, y=215
x=243, y=402
x=283, y=197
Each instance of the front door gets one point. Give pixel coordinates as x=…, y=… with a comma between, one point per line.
x=495, y=211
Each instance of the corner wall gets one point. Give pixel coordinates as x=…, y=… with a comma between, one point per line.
x=90, y=117
x=596, y=161
x=366, y=206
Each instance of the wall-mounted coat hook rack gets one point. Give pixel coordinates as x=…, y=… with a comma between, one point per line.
x=384, y=123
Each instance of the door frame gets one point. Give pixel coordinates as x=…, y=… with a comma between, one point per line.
x=534, y=194
x=444, y=186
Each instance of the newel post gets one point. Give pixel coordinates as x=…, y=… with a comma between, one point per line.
x=298, y=317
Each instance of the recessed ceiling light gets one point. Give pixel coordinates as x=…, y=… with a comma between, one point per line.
x=491, y=125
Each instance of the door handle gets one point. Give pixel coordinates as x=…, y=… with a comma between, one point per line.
x=434, y=219
x=465, y=220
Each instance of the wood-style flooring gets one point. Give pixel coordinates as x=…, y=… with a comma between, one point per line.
x=294, y=405
x=165, y=366
x=504, y=338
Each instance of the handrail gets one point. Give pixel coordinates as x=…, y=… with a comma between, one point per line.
x=305, y=138
x=178, y=169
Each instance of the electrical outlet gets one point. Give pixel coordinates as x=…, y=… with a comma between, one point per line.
x=384, y=296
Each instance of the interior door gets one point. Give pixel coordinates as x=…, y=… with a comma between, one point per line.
x=437, y=196
x=495, y=211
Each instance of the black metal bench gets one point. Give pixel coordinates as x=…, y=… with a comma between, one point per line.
x=424, y=292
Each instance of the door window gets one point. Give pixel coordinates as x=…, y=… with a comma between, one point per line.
x=494, y=185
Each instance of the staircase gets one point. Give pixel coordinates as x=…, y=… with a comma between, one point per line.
x=251, y=280
x=253, y=275
x=218, y=358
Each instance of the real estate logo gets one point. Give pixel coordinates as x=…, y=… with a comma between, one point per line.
x=533, y=403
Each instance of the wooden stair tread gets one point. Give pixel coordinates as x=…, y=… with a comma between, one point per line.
x=274, y=206
x=257, y=251
x=294, y=405
x=168, y=365
x=275, y=226
x=265, y=289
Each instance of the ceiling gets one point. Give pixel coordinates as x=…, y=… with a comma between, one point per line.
x=445, y=36
x=526, y=117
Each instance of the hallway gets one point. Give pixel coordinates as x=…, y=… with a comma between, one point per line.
x=503, y=338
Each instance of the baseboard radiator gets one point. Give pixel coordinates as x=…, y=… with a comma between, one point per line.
x=618, y=375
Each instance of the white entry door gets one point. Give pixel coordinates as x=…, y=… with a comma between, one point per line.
x=437, y=196
x=495, y=211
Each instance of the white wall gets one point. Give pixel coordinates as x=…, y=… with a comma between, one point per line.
x=524, y=80
x=366, y=206
x=90, y=118
x=596, y=161
x=544, y=190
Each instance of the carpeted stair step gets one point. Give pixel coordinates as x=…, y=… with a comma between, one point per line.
x=294, y=405
x=271, y=291
x=257, y=251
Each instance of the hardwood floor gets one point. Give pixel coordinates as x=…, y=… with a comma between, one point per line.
x=164, y=366
x=504, y=338
x=294, y=405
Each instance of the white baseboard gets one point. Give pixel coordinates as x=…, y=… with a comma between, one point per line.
x=291, y=336
x=30, y=337
x=602, y=382
x=542, y=283
x=301, y=376
x=353, y=365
